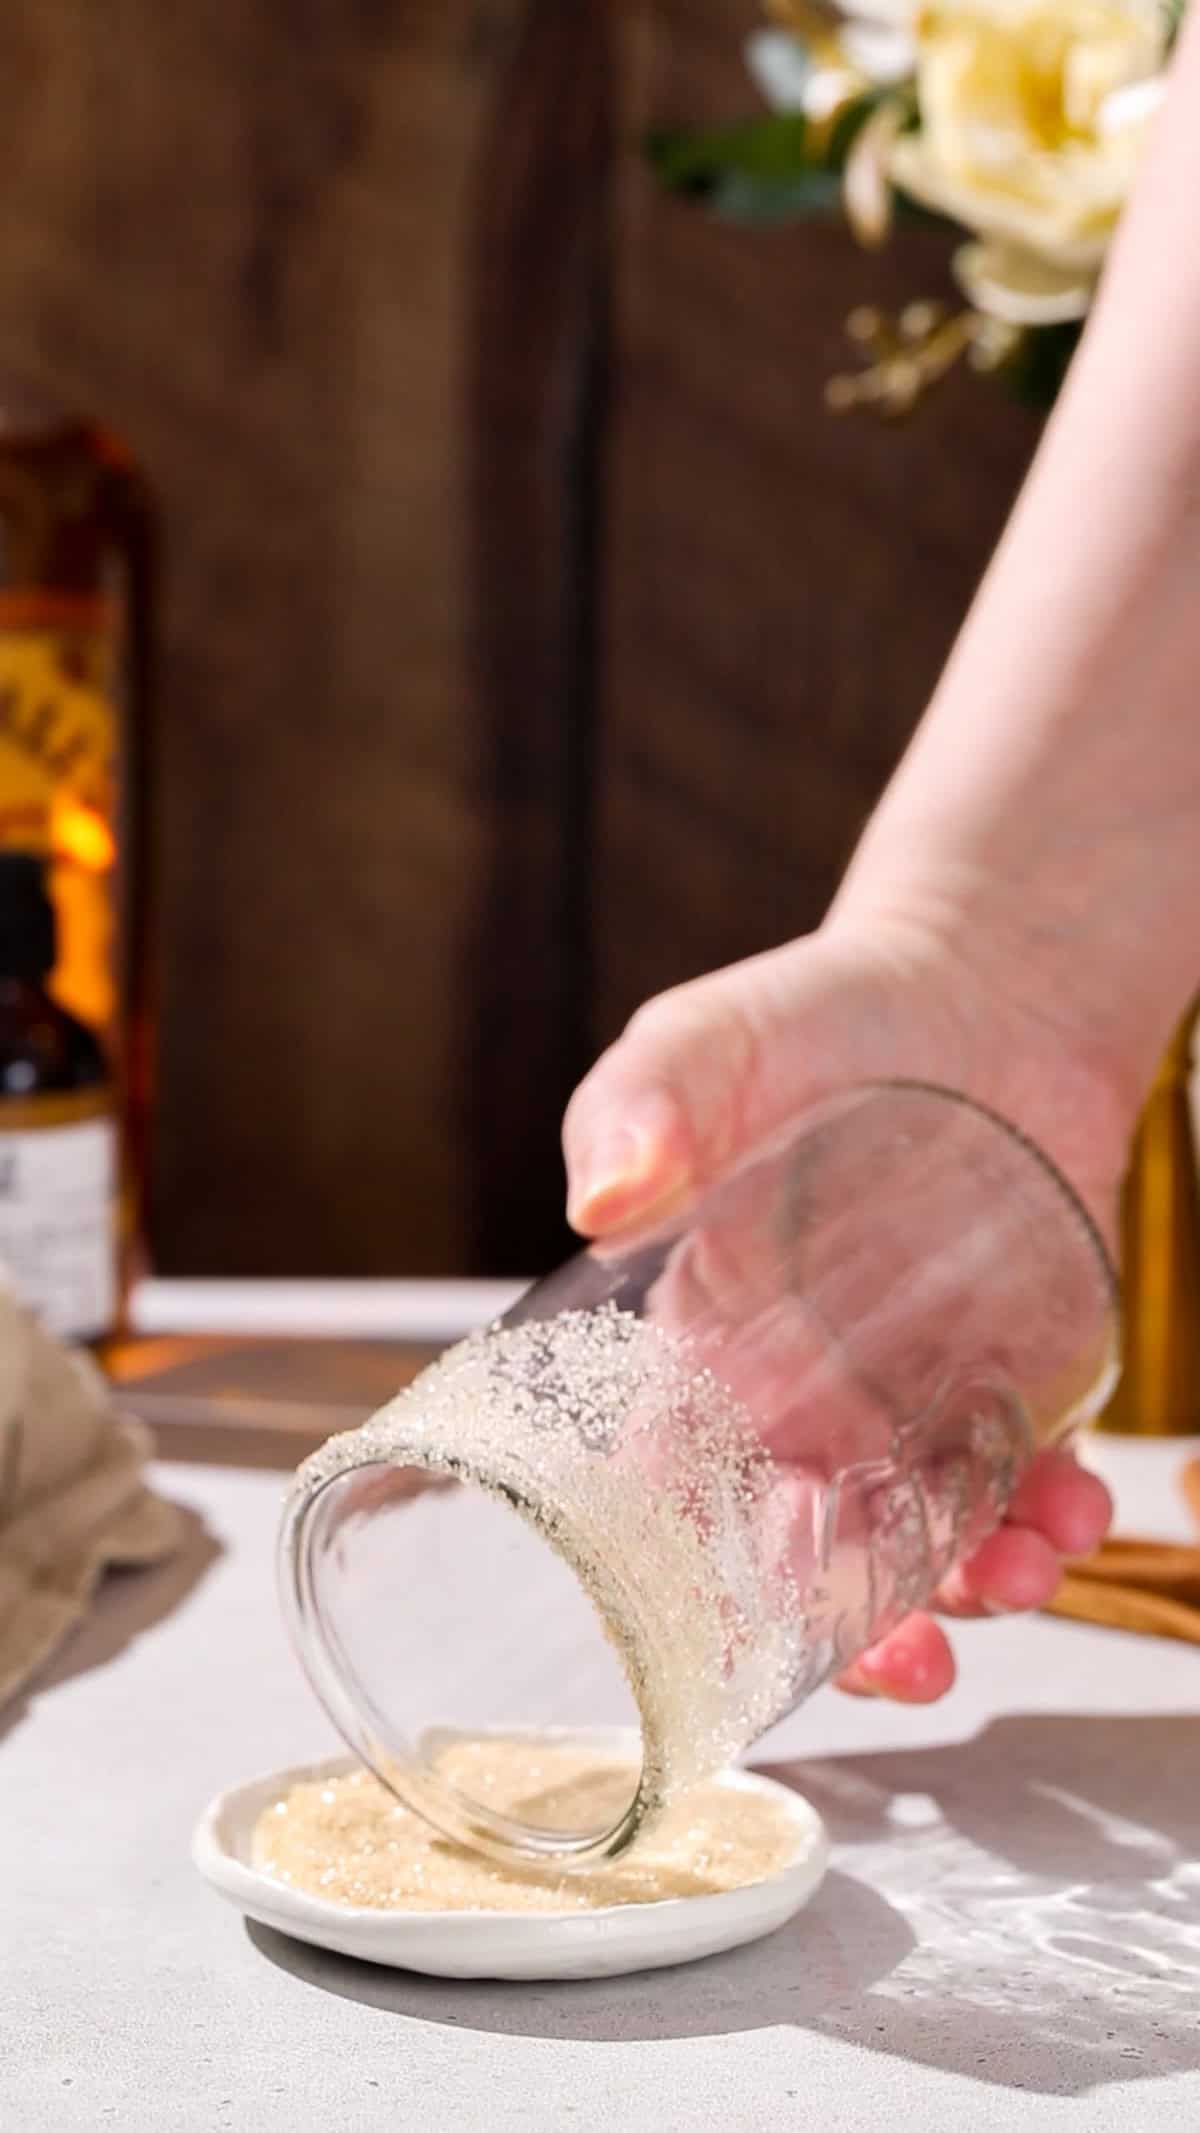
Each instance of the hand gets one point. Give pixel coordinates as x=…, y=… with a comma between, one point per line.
x=705, y=1073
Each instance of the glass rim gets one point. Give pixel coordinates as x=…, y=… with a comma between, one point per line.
x=458, y=1815
x=1047, y=1163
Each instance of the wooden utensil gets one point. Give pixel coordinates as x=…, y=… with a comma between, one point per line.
x=1150, y=1587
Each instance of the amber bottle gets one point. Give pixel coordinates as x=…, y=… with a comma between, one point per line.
x=59, y=1222
x=76, y=555
x=1159, y=1391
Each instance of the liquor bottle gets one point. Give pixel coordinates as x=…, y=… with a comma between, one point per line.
x=75, y=588
x=1159, y=1390
x=59, y=1239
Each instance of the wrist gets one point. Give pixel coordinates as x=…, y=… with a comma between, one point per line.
x=1077, y=937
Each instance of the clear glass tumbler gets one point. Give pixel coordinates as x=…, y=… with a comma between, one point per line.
x=744, y=1444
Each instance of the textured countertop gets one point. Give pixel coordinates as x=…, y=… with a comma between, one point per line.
x=1009, y=1937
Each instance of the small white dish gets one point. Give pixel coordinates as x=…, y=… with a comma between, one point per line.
x=507, y=1944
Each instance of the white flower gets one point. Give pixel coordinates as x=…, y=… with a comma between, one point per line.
x=1033, y=115
x=815, y=62
x=1031, y=119
x=880, y=41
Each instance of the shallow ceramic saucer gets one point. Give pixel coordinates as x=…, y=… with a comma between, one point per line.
x=509, y=1944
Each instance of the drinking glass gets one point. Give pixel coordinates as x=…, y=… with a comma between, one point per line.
x=744, y=1444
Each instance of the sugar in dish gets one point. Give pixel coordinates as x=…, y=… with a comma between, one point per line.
x=642, y=1473
x=347, y=1840
x=325, y=1854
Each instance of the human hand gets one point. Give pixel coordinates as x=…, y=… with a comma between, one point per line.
x=706, y=1073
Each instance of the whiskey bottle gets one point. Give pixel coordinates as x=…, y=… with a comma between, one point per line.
x=59, y=1238
x=1159, y=1390
x=75, y=574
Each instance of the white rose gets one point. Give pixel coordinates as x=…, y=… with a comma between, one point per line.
x=1032, y=119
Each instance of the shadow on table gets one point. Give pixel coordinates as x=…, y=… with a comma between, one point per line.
x=1023, y=1908
x=771, y=1982
x=127, y=1602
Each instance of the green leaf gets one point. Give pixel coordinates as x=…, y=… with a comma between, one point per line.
x=773, y=151
x=741, y=197
x=1173, y=13
x=775, y=147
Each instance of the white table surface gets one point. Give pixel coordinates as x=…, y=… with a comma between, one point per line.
x=1009, y=1938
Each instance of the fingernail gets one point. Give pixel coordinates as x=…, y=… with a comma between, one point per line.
x=857, y=1681
x=955, y=1595
x=610, y=1165
x=622, y=1170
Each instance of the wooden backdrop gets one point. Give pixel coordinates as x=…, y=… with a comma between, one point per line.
x=533, y=638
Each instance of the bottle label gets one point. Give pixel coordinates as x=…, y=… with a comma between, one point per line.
x=58, y=1202
x=58, y=746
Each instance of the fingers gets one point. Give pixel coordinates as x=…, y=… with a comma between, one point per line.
x=1059, y=1510
x=913, y=1664
x=1015, y=1570
x=661, y=1108
x=630, y=1148
x=703, y=1073
x=1064, y=1502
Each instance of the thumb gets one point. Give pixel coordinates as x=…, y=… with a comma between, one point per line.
x=704, y=1073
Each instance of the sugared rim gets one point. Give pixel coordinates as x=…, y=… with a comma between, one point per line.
x=456, y=1815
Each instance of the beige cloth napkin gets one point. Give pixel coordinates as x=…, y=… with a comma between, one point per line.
x=72, y=1496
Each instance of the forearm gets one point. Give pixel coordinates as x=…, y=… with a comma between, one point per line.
x=1050, y=803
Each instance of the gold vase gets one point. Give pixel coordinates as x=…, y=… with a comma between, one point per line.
x=1159, y=1390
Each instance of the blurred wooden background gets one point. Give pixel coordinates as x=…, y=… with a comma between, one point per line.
x=533, y=637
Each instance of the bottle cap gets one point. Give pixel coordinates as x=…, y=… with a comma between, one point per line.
x=28, y=947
